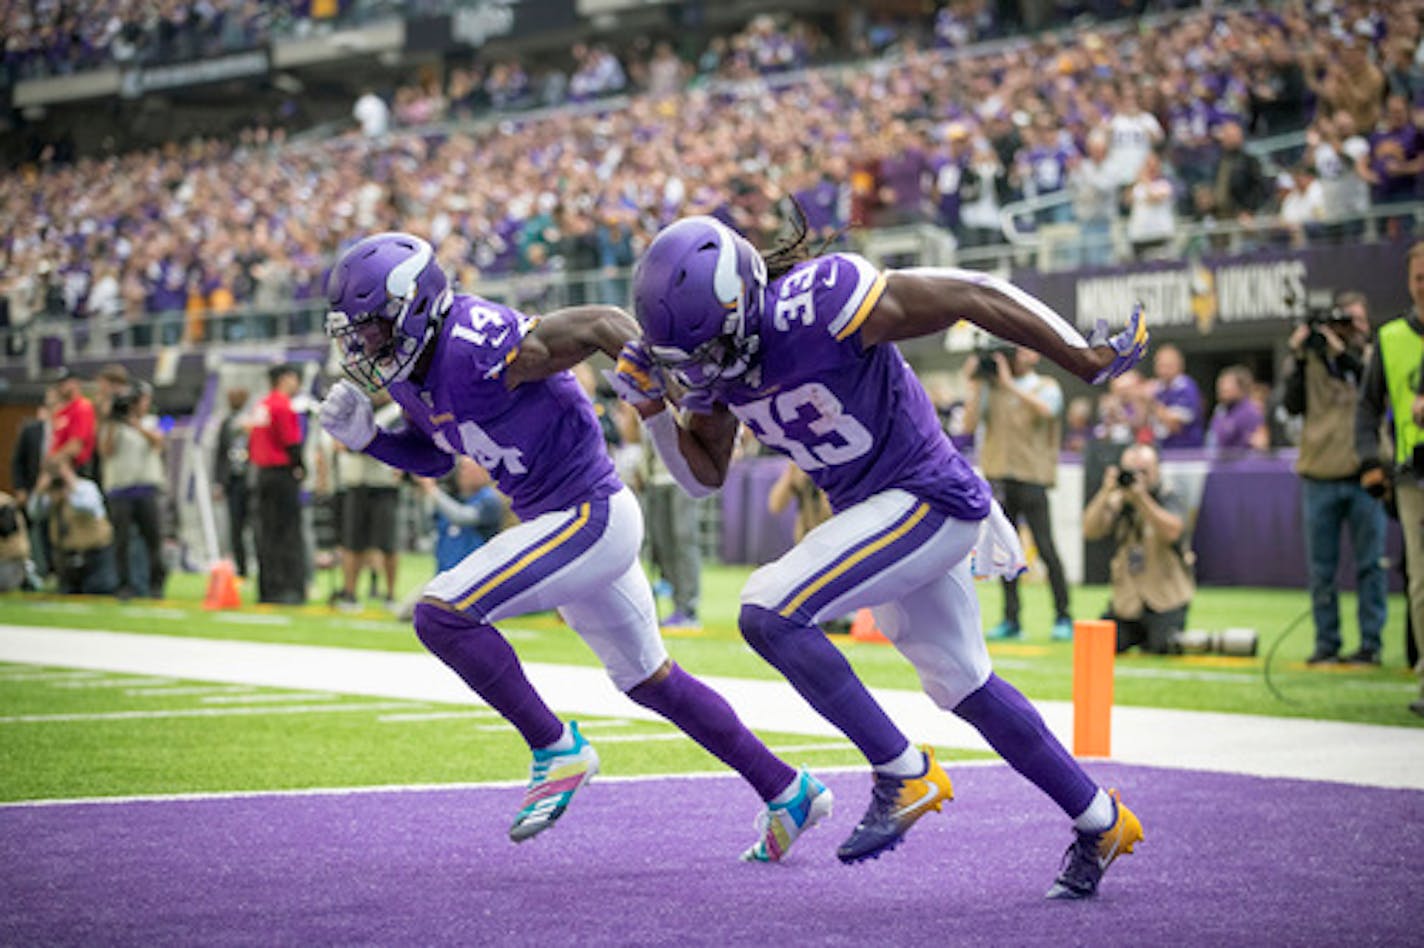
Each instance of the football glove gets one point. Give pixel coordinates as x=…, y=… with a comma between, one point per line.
x=635, y=377
x=1128, y=346
x=347, y=415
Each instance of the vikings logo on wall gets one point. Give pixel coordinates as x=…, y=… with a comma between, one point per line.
x=1203, y=290
x=1207, y=292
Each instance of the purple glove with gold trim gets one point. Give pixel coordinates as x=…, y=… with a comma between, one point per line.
x=1128, y=346
x=635, y=377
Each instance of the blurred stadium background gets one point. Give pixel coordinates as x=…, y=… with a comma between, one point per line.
x=178, y=176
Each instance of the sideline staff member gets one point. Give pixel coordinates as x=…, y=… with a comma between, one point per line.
x=1323, y=388
x=275, y=446
x=1152, y=583
x=1394, y=381
x=1019, y=456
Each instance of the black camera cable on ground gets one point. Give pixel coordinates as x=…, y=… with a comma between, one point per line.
x=1271, y=654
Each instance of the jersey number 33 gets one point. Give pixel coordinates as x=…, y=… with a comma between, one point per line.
x=836, y=437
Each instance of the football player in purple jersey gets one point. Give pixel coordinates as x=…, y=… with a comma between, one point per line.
x=480, y=379
x=800, y=349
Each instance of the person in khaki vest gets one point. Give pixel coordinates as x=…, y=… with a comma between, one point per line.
x=1021, y=412
x=80, y=535
x=1152, y=583
x=14, y=544
x=1324, y=388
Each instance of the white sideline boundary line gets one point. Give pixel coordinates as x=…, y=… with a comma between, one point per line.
x=160, y=714
x=1299, y=748
x=219, y=795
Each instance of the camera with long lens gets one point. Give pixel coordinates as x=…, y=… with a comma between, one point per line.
x=1317, y=317
x=1126, y=478
x=988, y=364
x=1241, y=643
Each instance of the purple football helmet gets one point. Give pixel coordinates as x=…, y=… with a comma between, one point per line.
x=387, y=294
x=697, y=293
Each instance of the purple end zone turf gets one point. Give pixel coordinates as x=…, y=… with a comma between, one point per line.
x=1227, y=860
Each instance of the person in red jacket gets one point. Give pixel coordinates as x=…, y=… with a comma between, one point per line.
x=275, y=448
x=75, y=431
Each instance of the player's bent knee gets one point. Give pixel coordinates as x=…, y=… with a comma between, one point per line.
x=947, y=687
x=761, y=627
x=766, y=631
x=436, y=623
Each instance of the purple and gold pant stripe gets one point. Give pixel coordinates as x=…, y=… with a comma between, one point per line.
x=537, y=561
x=860, y=561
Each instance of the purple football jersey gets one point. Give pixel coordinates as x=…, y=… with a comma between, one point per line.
x=854, y=418
x=540, y=442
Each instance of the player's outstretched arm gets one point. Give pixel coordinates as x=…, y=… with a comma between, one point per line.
x=565, y=337
x=410, y=450
x=925, y=300
x=347, y=415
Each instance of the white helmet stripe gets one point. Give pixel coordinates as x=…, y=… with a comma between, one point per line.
x=725, y=281
x=401, y=280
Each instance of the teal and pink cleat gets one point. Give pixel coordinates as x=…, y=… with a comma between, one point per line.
x=554, y=778
x=781, y=823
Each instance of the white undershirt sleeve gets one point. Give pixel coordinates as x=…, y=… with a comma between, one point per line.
x=663, y=429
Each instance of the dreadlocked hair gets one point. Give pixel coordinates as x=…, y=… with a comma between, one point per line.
x=793, y=249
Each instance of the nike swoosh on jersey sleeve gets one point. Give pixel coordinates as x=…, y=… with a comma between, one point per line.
x=869, y=284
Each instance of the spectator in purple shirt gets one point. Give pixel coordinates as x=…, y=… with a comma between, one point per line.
x=1237, y=424
x=1176, y=402
x=1396, y=158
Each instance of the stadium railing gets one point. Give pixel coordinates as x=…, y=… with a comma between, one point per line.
x=46, y=342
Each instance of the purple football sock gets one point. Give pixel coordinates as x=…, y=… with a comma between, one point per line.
x=708, y=719
x=821, y=674
x=481, y=656
x=1014, y=728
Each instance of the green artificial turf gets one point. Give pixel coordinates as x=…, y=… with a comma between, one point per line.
x=74, y=734
x=126, y=743
x=1043, y=669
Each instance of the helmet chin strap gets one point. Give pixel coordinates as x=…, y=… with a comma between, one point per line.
x=427, y=344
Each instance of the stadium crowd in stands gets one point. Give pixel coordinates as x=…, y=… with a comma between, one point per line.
x=1147, y=124
x=50, y=37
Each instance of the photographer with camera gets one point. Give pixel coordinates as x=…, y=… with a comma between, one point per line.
x=1019, y=457
x=131, y=446
x=1152, y=583
x=1323, y=387
x=1394, y=384
x=81, y=538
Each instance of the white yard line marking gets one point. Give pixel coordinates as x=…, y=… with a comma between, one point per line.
x=202, y=712
x=435, y=716
x=155, y=612
x=52, y=676
x=810, y=748
x=120, y=682
x=516, y=784
x=639, y=738
x=271, y=698
x=253, y=618
x=180, y=690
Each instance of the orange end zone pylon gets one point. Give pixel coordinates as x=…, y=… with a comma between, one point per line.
x=223, y=592
x=1094, y=646
x=864, y=629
